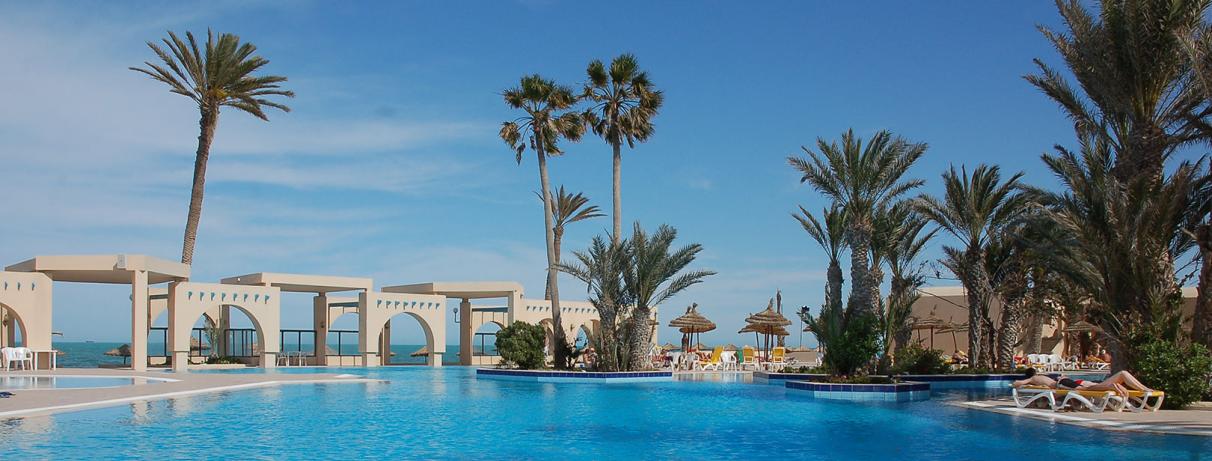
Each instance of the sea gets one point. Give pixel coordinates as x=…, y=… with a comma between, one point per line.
x=92, y=354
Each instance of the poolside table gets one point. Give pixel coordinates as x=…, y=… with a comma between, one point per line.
x=54, y=357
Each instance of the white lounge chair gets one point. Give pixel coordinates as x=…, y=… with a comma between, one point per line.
x=1095, y=401
x=728, y=361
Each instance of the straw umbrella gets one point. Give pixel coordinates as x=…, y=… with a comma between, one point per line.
x=422, y=352
x=668, y=347
x=769, y=322
x=928, y=324
x=691, y=323
x=120, y=351
x=1080, y=328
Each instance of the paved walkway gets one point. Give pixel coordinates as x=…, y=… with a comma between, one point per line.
x=1196, y=421
x=35, y=402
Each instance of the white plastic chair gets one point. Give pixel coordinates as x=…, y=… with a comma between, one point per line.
x=728, y=360
x=675, y=359
x=21, y=355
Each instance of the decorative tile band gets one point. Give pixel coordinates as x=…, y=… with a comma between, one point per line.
x=574, y=376
x=900, y=392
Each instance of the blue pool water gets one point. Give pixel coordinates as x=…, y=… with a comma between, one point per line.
x=19, y=382
x=448, y=413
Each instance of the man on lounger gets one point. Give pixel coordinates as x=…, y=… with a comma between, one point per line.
x=1120, y=382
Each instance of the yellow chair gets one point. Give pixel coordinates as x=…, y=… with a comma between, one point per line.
x=713, y=363
x=749, y=358
x=778, y=359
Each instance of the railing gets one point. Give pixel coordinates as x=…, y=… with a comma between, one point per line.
x=196, y=335
x=341, y=350
x=298, y=344
x=483, y=341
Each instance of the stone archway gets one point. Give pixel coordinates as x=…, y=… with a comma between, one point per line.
x=188, y=301
x=26, y=299
x=376, y=309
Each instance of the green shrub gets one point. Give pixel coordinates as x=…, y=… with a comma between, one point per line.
x=854, y=347
x=521, y=344
x=222, y=360
x=1182, y=371
x=917, y=360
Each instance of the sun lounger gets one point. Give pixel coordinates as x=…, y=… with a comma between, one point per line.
x=714, y=362
x=778, y=359
x=1138, y=401
x=749, y=359
x=1095, y=401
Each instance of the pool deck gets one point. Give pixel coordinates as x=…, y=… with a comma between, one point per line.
x=1196, y=420
x=36, y=402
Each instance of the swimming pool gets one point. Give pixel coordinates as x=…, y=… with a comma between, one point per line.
x=448, y=413
x=18, y=382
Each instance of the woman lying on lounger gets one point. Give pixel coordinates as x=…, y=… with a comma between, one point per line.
x=1120, y=382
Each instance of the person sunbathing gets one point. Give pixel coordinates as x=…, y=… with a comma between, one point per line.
x=1120, y=382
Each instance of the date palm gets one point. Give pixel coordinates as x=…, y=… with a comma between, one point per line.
x=903, y=248
x=973, y=209
x=543, y=124
x=657, y=272
x=220, y=75
x=1133, y=63
x=860, y=179
x=569, y=208
x=831, y=237
x=624, y=104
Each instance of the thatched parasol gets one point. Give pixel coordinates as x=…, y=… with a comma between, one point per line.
x=730, y=347
x=668, y=347
x=120, y=351
x=691, y=323
x=769, y=323
x=954, y=328
x=422, y=352
x=700, y=346
x=927, y=324
x=1082, y=326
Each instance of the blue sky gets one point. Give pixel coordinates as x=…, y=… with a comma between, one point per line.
x=390, y=165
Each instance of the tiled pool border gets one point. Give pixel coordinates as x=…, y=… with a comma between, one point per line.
x=898, y=392
x=937, y=382
x=573, y=376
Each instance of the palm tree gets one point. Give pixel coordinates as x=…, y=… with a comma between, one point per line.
x=1124, y=237
x=541, y=128
x=831, y=237
x=220, y=75
x=601, y=267
x=861, y=179
x=904, y=244
x=624, y=103
x=569, y=208
x=973, y=209
x=1136, y=76
x=655, y=275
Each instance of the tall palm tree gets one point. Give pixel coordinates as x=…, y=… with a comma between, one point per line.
x=657, y=273
x=601, y=267
x=1136, y=78
x=541, y=128
x=973, y=209
x=831, y=237
x=569, y=208
x=219, y=75
x=904, y=245
x=861, y=179
x=624, y=103
x=1125, y=237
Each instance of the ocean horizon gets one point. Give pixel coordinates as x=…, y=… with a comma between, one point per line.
x=82, y=354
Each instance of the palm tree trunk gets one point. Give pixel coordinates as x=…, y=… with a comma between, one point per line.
x=1035, y=334
x=1008, y=334
x=559, y=235
x=858, y=236
x=977, y=281
x=548, y=218
x=833, y=298
x=1202, y=322
x=618, y=192
x=206, y=135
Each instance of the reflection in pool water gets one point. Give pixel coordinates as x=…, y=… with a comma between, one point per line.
x=19, y=382
x=424, y=413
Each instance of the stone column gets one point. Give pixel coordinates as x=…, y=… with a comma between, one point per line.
x=320, y=325
x=385, y=343
x=138, y=320
x=466, y=333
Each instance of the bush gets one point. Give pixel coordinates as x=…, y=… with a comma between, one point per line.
x=521, y=344
x=1182, y=371
x=917, y=360
x=222, y=360
x=854, y=348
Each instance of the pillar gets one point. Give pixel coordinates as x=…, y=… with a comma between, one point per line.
x=320, y=325
x=269, y=359
x=138, y=321
x=385, y=343
x=466, y=333
x=434, y=359
x=225, y=327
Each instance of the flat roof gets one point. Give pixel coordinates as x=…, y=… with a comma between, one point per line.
x=302, y=283
x=103, y=268
x=468, y=290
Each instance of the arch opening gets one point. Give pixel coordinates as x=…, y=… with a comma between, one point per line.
x=12, y=328
x=399, y=340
